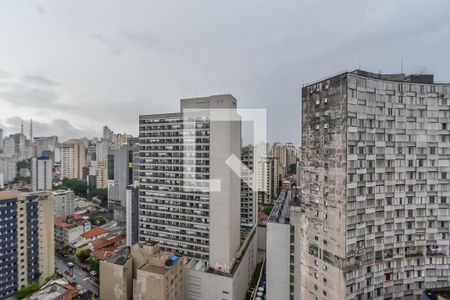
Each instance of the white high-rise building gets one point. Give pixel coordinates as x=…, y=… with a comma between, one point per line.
x=63, y=202
x=41, y=173
x=101, y=155
x=375, y=186
x=189, y=197
x=73, y=156
x=249, y=203
x=8, y=167
x=1, y=139
x=9, y=146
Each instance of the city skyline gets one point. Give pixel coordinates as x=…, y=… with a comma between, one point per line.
x=109, y=71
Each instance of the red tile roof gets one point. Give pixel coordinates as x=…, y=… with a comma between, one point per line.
x=62, y=221
x=102, y=243
x=94, y=232
x=262, y=216
x=103, y=253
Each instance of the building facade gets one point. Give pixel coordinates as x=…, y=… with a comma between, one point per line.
x=142, y=271
x=374, y=178
x=8, y=168
x=28, y=251
x=249, y=204
x=121, y=174
x=181, y=154
x=63, y=202
x=73, y=159
x=41, y=173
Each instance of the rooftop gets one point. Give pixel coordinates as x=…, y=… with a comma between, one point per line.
x=9, y=194
x=154, y=269
x=280, y=211
x=399, y=77
x=106, y=242
x=94, y=232
x=120, y=257
x=70, y=221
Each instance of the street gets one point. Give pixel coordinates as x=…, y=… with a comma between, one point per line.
x=81, y=277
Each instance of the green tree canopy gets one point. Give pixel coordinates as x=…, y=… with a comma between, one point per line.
x=101, y=194
x=79, y=187
x=84, y=254
x=27, y=290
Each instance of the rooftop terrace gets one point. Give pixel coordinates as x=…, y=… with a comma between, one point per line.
x=280, y=211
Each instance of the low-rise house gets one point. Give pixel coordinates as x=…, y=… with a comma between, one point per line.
x=105, y=247
x=88, y=237
x=68, y=229
x=59, y=289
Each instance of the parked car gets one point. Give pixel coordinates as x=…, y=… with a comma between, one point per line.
x=85, y=268
x=70, y=264
x=93, y=273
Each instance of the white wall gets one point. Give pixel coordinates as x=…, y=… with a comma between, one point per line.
x=278, y=264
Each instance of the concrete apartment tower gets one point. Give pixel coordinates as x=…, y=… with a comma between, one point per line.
x=73, y=159
x=375, y=186
x=28, y=250
x=189, y=196
x=249, y=204
x=41, y=173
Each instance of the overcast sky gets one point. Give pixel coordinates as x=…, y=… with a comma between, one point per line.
x=74, y=66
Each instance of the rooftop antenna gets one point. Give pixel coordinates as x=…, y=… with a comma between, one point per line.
x=401, y=65
x=31, y=129
x=21, y=128
x=359, y=64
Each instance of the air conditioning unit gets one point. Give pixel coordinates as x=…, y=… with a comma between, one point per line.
x=325, y=100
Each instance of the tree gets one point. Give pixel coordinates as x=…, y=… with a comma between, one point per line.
x=292, y=169
x=79, y=187
x=83, y=255
x=94, y=264
x=27, y=290
x=101, y=194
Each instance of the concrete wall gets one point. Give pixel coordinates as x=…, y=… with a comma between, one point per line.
x=149, y=286
x=201, y=285
x=116, y=281
x=261, y=231
x=277, y=260
x=46, y=237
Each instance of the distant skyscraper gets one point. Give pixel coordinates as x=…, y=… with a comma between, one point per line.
x=31, y=130
x=41, y=173
x=63, y=202
x=375, y=185
x=73, y=156
x=8, y=167
x=120, y=176
x=47, y=143
x=1, y=139
x=249, y=204
x=132, y=215
x=102, y=163
x=107, y=133
x=28, y=251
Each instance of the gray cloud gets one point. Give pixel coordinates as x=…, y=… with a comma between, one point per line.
x=40, y=9
x=59, y=127
x=31, y=91
x=147, y=41
x=110, y=44
x=39, y=80
x=143, y=58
